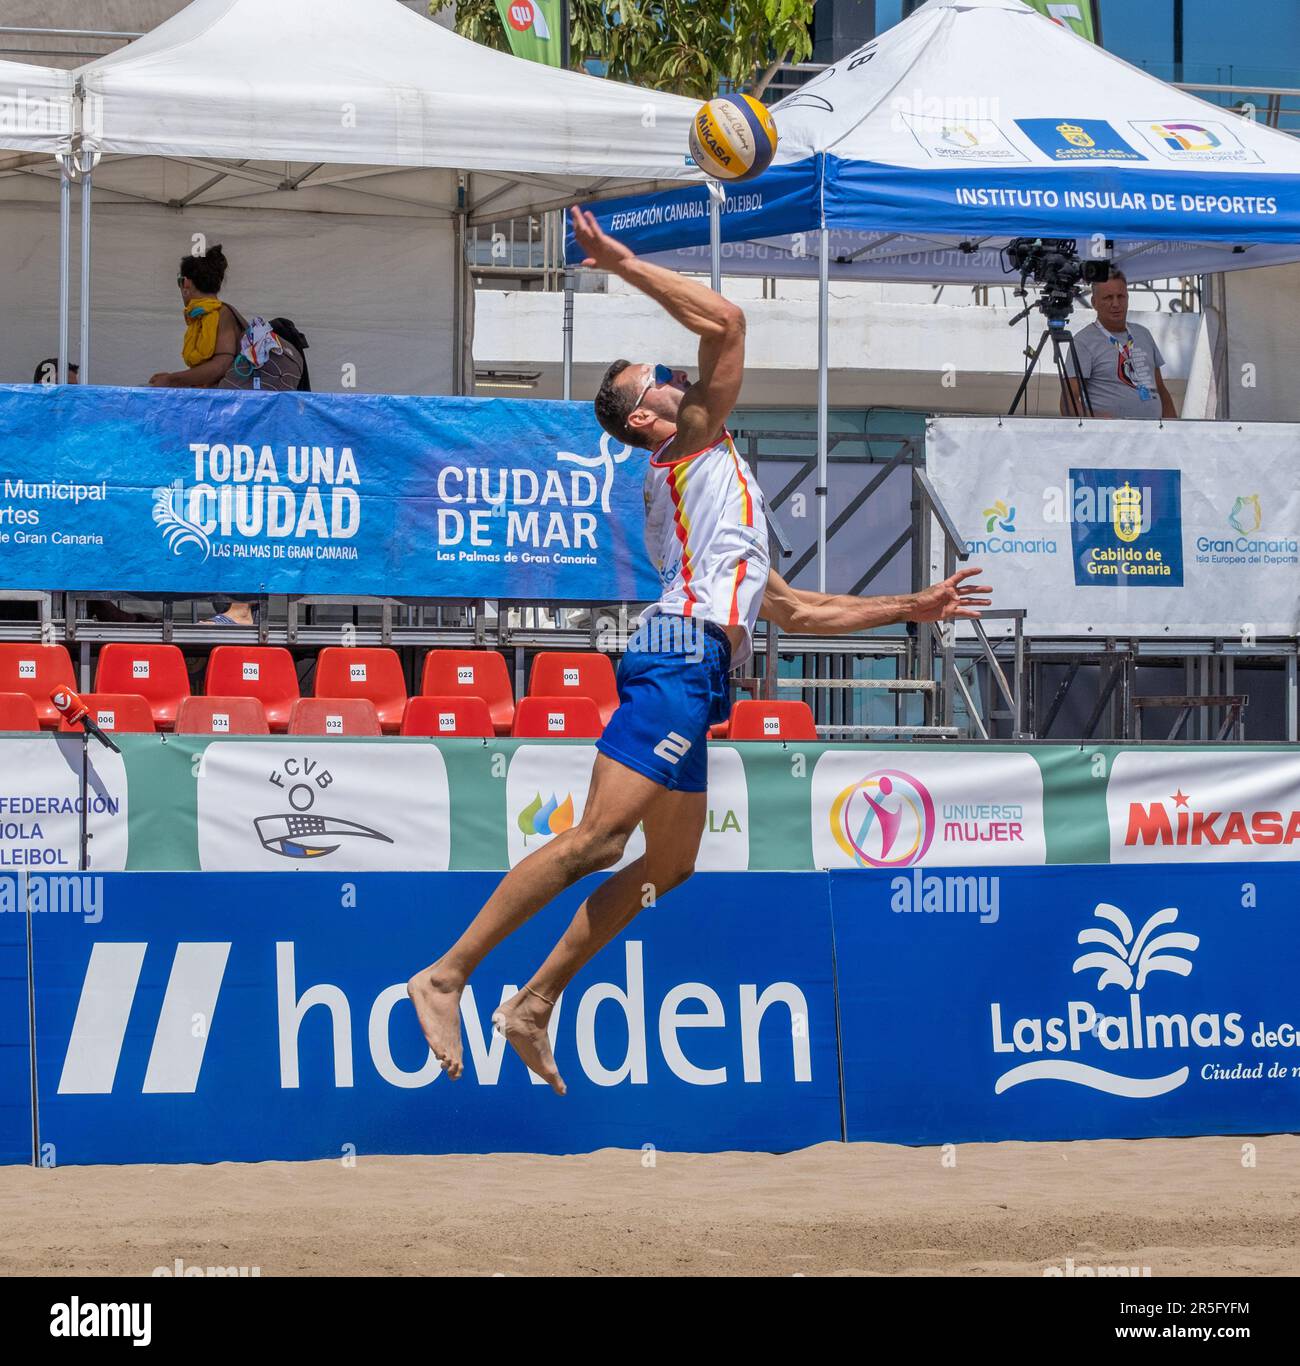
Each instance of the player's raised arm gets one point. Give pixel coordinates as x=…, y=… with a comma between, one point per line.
x=719, y=324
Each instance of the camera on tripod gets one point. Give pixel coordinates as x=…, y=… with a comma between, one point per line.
x=1053, y=264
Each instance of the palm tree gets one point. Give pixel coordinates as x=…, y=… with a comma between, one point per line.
x=1122, y=951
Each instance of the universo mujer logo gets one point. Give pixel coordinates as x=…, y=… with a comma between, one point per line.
x=1125, y=958
x=886, y=820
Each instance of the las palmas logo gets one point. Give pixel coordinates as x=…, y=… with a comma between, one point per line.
x=177, y=530
x=1000, y=516
x=1246, y=516
x=1125, y=958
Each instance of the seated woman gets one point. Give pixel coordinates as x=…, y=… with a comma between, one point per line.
x=213, y=329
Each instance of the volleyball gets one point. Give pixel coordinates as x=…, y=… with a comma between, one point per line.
x=733, y=137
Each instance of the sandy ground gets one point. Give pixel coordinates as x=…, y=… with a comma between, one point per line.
x=1179, y=1206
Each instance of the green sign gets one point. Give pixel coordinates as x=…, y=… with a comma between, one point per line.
x=1076, y=15
x=535, y=29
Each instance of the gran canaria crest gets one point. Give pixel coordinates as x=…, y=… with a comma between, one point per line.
x=1126, y=512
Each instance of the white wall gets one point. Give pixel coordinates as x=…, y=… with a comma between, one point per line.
x=368, y=291
x=941, y=357
x=1264, y=334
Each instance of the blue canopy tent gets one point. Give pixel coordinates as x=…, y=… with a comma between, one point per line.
x=919, y=156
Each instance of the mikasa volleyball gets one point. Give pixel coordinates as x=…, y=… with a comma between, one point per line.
x=733, y=138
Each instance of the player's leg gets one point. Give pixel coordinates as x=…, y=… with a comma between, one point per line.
x=674, y=825
x=616, y=801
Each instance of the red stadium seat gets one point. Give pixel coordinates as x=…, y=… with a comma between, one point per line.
x=722, y=731
x=262, y=671
x=221, y=716
x=155, y=672
x=752, y=720
x=566, y=673
x=18, y=712
x=36, y=670
x=557, y=718
x=373, y=674
x=479, y=673
x=123, y=712
x=334, y=716
x=448, y=716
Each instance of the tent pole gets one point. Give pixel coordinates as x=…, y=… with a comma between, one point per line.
x=716, y=193
x=458, y=300
x=568, y=335
x=83, y=374
x=65, y=238
x=823, y=388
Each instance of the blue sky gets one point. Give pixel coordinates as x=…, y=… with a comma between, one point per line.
x=1225, y=42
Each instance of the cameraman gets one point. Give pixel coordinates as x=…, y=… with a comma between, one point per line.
x=1119, y=360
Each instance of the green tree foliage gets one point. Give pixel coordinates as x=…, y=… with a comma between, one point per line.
x=691, y=47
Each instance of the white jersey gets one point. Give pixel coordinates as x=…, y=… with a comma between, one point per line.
x=706, y=533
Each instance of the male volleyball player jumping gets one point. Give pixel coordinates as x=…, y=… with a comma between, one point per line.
x=705, y=530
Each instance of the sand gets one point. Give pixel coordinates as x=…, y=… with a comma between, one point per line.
x=1179, y=1206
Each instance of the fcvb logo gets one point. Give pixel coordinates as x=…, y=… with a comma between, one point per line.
x=302, y=833
x=886, y=820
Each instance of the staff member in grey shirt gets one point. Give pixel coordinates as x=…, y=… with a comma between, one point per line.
x=1119, y=360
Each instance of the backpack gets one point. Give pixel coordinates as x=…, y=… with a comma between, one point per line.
x=288, y=330
x=286, y=369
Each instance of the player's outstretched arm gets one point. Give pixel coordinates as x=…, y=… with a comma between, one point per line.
x=719, y=324
x=828, y=614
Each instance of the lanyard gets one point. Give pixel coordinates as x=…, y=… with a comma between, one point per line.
x=1126, y=354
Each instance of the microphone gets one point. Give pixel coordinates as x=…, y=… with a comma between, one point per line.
x=74, y=711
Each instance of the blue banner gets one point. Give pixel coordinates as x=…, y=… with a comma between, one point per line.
x=1068, y=201
x=15, y=1036
x=1067, y=1003
x=782, y=200
x=1077, y=198
x=213, y=1017
x=228, y=492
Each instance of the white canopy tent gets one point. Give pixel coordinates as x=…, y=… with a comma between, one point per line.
x=37, y=113
x=358, y=113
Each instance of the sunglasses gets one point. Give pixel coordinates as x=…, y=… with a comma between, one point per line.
x=180, y=281
x=662, y=375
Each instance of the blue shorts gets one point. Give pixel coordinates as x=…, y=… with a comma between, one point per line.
x=672, y=686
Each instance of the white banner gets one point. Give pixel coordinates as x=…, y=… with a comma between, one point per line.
x=321, y=805
x=895, y=809
x=40, y=805
x=546, y=794
x=1127, y=527
x=1203, y=806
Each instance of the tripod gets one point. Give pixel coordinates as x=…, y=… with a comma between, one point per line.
x=1063, y=349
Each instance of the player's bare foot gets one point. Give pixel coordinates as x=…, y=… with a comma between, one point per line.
x=437, y=1007
x=523, y=1020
